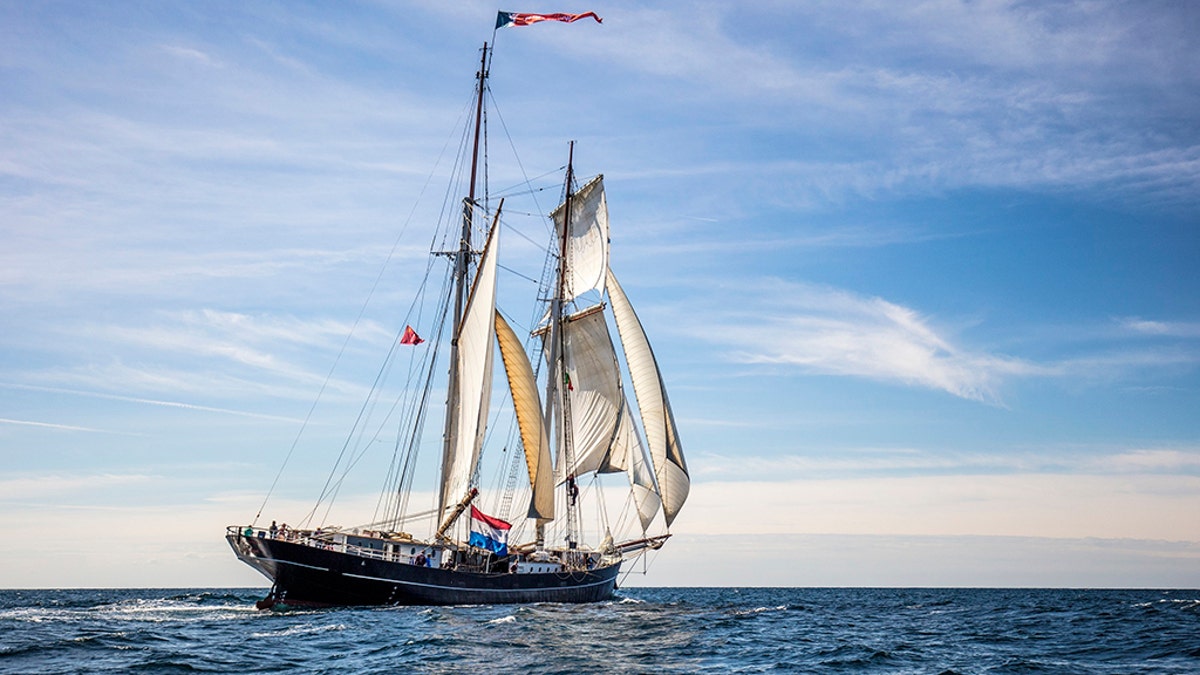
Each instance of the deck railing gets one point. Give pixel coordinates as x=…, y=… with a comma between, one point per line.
x=306, y=538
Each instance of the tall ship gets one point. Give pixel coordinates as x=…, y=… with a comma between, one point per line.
x=590, y=476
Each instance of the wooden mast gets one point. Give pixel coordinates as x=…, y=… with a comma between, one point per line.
x=556, y=391
x=462, y=259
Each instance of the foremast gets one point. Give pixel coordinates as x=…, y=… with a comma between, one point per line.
x=462, y=259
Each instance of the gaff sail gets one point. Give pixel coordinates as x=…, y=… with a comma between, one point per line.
x=527, y=403
x=474, y=374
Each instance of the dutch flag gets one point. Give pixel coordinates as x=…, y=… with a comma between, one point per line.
x=488, y=532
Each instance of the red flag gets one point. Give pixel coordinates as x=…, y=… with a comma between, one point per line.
x=506, y=19
x=410, y=337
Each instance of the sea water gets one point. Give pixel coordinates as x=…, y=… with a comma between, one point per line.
x=643, y=630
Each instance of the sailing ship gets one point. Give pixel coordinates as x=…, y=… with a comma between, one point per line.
x=574, y=421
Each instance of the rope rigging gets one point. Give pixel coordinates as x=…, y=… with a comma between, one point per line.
x=461, y=221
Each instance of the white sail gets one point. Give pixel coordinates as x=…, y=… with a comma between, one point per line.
x=587, y=243
x=527, y=403
x=595, y=391
x=474, y=385
x=628, y=453
x=657, y=419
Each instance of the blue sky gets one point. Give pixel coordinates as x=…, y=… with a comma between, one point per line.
x=922, y=276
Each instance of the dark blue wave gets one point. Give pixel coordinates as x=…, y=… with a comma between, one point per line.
x=737, y=630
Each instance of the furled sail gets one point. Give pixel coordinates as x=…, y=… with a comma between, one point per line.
x=594, y=384
x=657, y=419
x=527, y=403
x=587, y=243
x=474, y=382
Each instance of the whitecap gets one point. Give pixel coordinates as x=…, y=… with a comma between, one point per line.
x=299, y=630
x=760, y=610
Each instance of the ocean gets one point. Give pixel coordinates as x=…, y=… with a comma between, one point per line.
x=643, y=630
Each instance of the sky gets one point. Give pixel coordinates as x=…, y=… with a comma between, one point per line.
x=922, y=277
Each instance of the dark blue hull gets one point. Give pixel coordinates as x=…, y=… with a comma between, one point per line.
x=306, y=575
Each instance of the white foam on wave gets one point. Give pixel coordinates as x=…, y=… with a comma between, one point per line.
x=299, y=630
x=146, y=611
x=160, y=611
x=32, y=614
x=760, y=610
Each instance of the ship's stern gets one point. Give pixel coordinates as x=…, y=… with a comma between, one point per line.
x=250, y=546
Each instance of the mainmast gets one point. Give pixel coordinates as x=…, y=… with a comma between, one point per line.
x=556, y=389
x=462, y=259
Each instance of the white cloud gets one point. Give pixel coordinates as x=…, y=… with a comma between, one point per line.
x=871, y=462
x=942, y=95
x=138, y=379
x=1119, y=363
x=1151, y=460
x=190, y=54
x=1181, y=329
x=835, y=560
x=829, y=331
x=848, y=462
x=49, y=487
x=238, y=337
x=206, y=352
x=60, y=427
x=1151, y=506
x=822, y=330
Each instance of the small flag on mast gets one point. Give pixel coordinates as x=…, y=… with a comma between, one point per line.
x=410, y=337
x=506, y=19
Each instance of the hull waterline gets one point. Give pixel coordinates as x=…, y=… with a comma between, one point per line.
x=306, y=575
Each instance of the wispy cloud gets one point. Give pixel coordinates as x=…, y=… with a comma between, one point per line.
x=189, y=54
x=146, y=401
x=1149, y=327
x=49, y=486
x=208, y=354
x=1149, y=460
x=848, y=462
x=60, y=427
x=869, y=462
x=1152, y=506
x=1109, y=364
x=823, y=330
x=943, y=95
x=812, y=328
x=236, y=336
